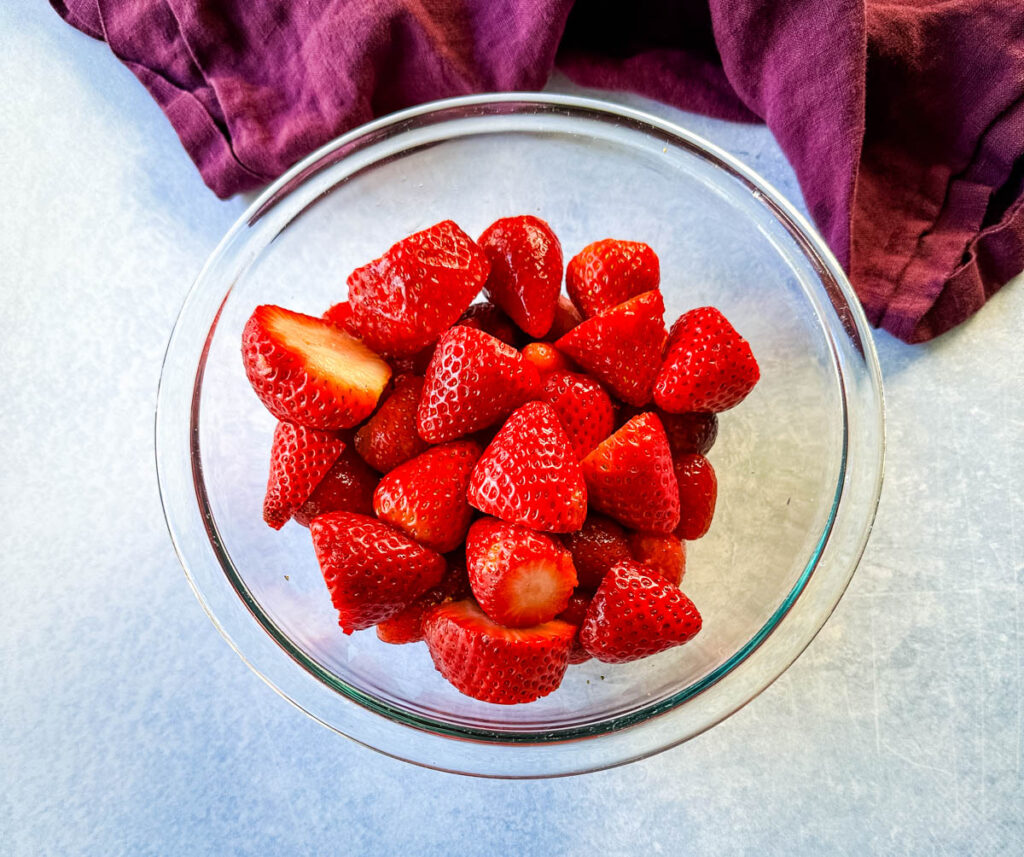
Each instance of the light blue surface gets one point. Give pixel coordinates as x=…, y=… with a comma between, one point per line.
x=129, y=727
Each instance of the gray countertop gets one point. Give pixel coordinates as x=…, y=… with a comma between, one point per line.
x=130, y=727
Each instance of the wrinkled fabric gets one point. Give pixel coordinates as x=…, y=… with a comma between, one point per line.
x=903, y=120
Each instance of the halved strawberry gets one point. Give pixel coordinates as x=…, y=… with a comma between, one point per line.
x=407, y=298
x=622, y=346
x=519, y=577
x=371, y=570
x=546, y=358
x=583, y=408
x=340, y=315
x=610, y=272
x=526, y=270
x=629, y=477
x=698, y=491
x=708, y=365
x=529, y=474
x=574, y=613
x=309, y=372
x=664, y=554
x=347, y=487
x=636, y=613
x=406, y=626
x=690, y=432
x=426, y=496
x=490, y=319
x=389, y=437
x=566, y=318
x=299, y=458
x=473, y=381
x=600, y=544
x=492, y=663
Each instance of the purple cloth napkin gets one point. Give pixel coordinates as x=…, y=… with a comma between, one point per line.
x=903, y=119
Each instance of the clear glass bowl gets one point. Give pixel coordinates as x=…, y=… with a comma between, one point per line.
x=799, y=462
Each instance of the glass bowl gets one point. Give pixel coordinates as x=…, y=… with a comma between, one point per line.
x=799, y=462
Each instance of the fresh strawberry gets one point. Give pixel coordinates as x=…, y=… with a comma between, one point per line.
x=347, y=487
x=698, y=491
x=629, y=477
x=299, y=458
x=340, y=315
x=488, y=318
x=583, y=409
x=490, y=662
x=574, y=614
x=407, y=298
x=595, y=548
x=519, y=577
x=426, y=496
x=546, y=358
x=529, y=474
x=610, y=272
x=309, y=372
x=415, y=364
x=664, y=554
x=526, y=270
x=473, y=381
x=636, y=613
x=371, y=570
x=389, y=437
x=708, y=365
x=406, y=626
x=622, y=346
x=566, y=318
x=691, y=432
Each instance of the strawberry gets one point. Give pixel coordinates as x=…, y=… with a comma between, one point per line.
x=403, y=301
x=426, y=496
x=389, y=437
x=406, y=626
x=583, y=408
x=636, y=613
x=574, y=614
x=415, y=364
x=698, y=491
x=371, y=570
x=473, y=381
x=340, y=315
x=690, y=432
x=566, y=318
x=664, y=554
x=526, y=270
x=622, y=346
x=546, y=358
x=347, y=487
x=599, y=545
x=492, y=663
x=299, y=458
x=708, y=366
x=529, y=474
x=519, y=577
x=488, y=318
x=610, y=272
x=309, y=372
x=629, y=477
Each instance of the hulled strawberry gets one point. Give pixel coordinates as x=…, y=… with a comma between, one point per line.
x=596, y=547
x=610, y=272
x=698, y=492
x=665, y=554
x=690, y=432
x=583, y=408
x=546, y=358
x=406, y=626
x=389, y=437
x=347, y=487
x=299, y=458
x=490, y=319
x=574, y=613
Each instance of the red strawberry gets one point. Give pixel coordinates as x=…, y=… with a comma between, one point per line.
x=488, y=318
x=426, y=496
x=473, y=381
x=708, y=366
x=408, y=297
x=546, y=358
x=371, y=570
x=610, y=272
x=622, y=347
x=347, y=487
x=519, y=577
x=490, y=662
x=299, y=458
x=691, y=432
x=406, y=626
x=664, y=554
x=599, y=545
x=414, y=365
x=629, y=477
x=529, y=474
x=636, y=613
x=526, y=270
x=389, y=437
x=309, y=372
x=698, y=491
x=566, y=318
x=583, y=409
x=340, y=315
x=574, y=614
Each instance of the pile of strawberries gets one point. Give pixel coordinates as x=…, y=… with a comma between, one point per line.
x=512, y=481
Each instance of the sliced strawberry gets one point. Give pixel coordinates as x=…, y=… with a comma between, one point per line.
x=371, y=570
x=566, y=318
x=299, y=458
x=403, y=301
x=519, y=577
x=691, y=432
x=492, y=663
x=698, y=491
x=526, y=270
x=583, y=408
x=708, y=366
x=529, y=474
x=309, y=372
x=347, y=487
x=610, y=272
x=546, y=358
x=664, y=554
x=406, y=626
x=629, y=477
x=490, y=319
x=426, y=496
x=340, y=315
x=622, y=346
x=574, y=614
x=595, y=548
x=389, y=437
x=636, y=613
x=473, y=381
